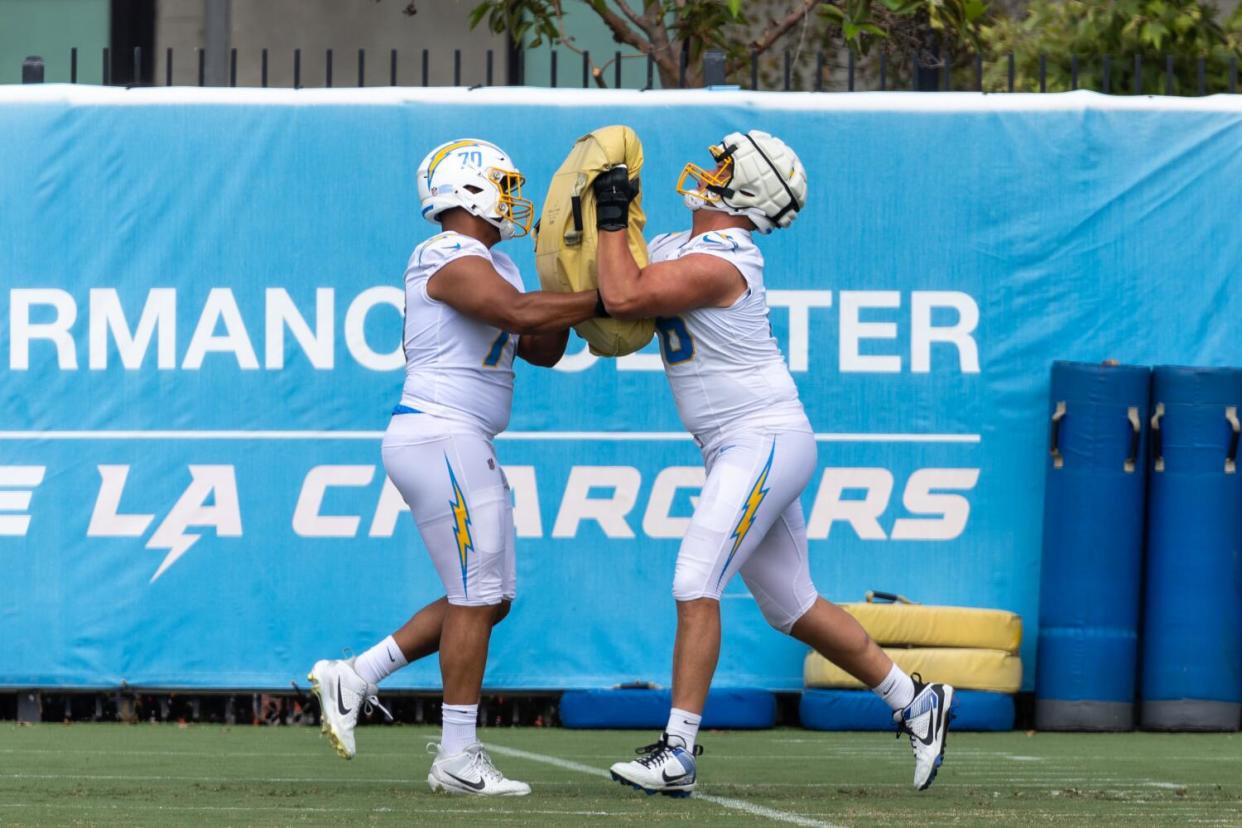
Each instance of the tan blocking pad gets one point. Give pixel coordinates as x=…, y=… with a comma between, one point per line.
x=920, y=625
x=565, y=254
x=965, y=669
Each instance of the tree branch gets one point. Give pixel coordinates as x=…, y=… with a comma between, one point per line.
x=777, y=31
x=638, y=21
x=662, y=51
x=620, y=29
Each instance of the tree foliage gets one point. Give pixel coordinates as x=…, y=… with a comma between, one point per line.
x=671, y=31
x=1154, y=30
x=930, y=33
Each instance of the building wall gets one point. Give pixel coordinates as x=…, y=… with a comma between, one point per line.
x=345, y=26
x=49, y=29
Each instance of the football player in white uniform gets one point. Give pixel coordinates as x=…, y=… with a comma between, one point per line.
x=466, y=317
x=705, y=288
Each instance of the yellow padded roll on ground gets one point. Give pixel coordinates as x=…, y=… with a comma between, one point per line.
x=993, y=670
x=921, y=625
x=567, y=236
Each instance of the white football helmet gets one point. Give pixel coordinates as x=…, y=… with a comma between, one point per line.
x=757, y=175
x=481, y=179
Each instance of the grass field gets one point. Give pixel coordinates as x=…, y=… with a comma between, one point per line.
x=163, y=775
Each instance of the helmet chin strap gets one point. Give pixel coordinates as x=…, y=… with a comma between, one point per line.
x=695, y=202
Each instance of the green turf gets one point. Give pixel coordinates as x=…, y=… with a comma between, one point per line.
x=163, y=775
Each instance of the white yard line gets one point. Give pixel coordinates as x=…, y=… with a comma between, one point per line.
x=723, y=801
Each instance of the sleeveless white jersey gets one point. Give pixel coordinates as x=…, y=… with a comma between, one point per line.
x=456, y=368
x=723, y=364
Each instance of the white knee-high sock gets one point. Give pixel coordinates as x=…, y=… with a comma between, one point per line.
x=683, y=725
x=897, y=689
x=381, y=661
x=459, y=723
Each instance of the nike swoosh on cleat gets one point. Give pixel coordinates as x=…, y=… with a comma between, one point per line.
x=340, y=702
x=671, y=779
x=477, y=786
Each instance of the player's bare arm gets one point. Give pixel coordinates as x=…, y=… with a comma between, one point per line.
x=471, y=286
x=544, y=350
x=662, y=288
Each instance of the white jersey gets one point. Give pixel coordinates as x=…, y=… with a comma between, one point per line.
x=723, y=364
x=456, y=368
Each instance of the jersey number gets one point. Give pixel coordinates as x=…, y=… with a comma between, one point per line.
x=497, y=350
x=675, y=339
x=471, y=158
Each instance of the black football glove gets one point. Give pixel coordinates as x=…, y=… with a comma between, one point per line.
x=613, y=193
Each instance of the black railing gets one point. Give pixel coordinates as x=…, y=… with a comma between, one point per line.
x=843, y=72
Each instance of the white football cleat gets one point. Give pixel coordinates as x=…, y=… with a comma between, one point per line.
x=342, y=694
x=663, y=768
x=926, y=721
x=471, y=772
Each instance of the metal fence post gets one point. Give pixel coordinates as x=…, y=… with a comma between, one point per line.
x=713, y=67
x=32, y=69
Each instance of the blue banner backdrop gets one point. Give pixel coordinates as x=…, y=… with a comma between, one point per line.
x=199, y=336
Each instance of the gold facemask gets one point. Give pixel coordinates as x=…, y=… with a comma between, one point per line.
x=704, y=179
x=512, y=207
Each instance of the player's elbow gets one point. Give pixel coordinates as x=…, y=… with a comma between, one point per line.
x=521, y=317
x=542, y=358
x=627, y=307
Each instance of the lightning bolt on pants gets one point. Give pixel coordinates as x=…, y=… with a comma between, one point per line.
x=460, y=500
x=749, y=520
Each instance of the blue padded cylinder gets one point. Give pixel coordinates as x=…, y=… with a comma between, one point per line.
x=1192, y=625
x=1086, y=664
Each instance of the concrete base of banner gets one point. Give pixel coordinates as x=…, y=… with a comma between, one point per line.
x=1191, y=714
x=1097, y=716
x=29, y=707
